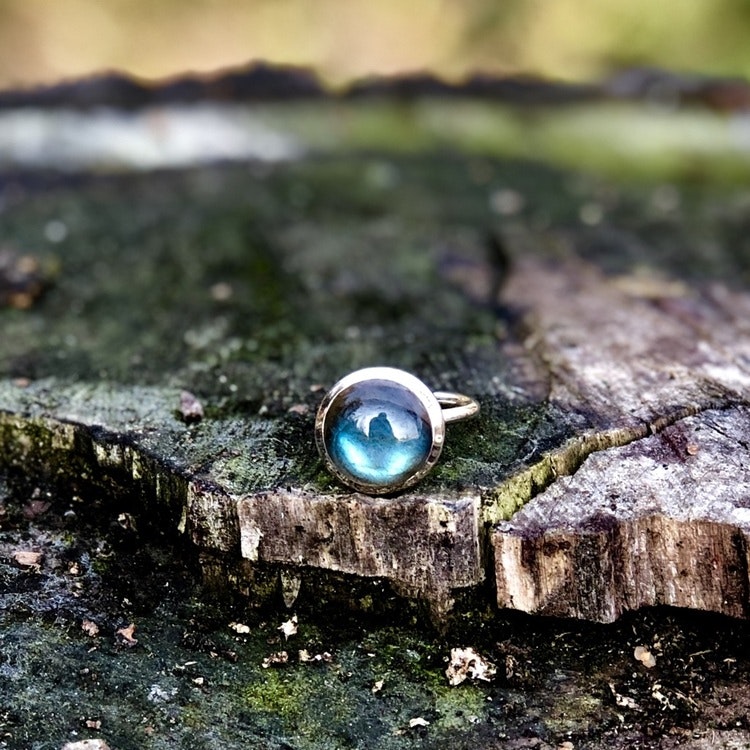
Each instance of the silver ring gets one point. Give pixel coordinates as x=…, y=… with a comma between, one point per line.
x=380, y=430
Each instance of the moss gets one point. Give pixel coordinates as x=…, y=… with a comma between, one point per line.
x=278, y=694
x=459, y=709
x=515, y=492
x=297, y=317
x=323, y=266
x=193, y=681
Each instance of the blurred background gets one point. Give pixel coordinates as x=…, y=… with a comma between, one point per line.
x=44, y=41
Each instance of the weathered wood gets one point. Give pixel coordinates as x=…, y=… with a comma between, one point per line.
x=663, y=520
x=426, y=547
x=256, y=363
x=584, y=351
x=614, y=362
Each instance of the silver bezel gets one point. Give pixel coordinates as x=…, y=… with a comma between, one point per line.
x=389, y=375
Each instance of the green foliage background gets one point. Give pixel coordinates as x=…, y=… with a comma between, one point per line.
x=343, y=39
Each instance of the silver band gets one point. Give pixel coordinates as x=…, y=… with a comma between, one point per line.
x=456, y=406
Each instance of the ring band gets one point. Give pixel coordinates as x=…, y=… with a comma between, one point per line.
x=456, y=406
x=380, y=430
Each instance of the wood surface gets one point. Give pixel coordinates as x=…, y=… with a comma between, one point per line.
x=177, y=567
x=178, y=350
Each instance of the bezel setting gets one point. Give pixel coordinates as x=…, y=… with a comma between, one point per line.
x=393, y=377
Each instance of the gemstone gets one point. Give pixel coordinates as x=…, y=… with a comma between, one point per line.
x=378, y=433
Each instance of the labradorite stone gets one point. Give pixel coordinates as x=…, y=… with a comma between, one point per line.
x=378, y=432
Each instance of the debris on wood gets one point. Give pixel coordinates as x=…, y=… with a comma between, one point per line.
x=644, y=656
x=289, y=627
x=28, y=558
x=239, y=627
x=90, y=627
x=221, y=291
x=624, y=701
x=276, y=658
x=94, y=744
x=22, y=279
x=191, y=409
x=126, y=635
x=466, y=663
x=658, y=695
x=127, y=521
x=305, y=657
x=35, y=508
x=300, y=409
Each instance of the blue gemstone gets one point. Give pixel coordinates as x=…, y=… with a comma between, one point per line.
x=378, y=433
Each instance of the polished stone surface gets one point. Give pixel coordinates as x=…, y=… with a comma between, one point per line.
x=378, y=433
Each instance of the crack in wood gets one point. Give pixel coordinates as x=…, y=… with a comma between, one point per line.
x=502, y=502
x=650, y=526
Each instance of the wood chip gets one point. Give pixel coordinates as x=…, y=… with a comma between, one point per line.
x=624, y=701
x=35, y=508
x=644, y=656
x=95, y=744
x=22, y=280
x=289, y=627
x=239, y=627
x=191, y=409
x=127, y=635
x=466, y=663
x=27, y=558
x=305, y=657
x=221, y=291
x=90, y=628
x=278, y=657
x=301, y=409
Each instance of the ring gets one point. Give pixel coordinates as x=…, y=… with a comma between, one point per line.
x=380, y=429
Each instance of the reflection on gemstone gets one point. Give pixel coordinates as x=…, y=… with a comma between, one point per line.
x=378, y=432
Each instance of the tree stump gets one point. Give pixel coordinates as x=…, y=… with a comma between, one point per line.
x=175, y=332
x=181, y=280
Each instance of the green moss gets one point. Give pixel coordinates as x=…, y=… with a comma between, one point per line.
x=574, y=713
x=323, y=266
x=514, y=493
x=279, y=694
x=191, y=681
x=458, y=709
